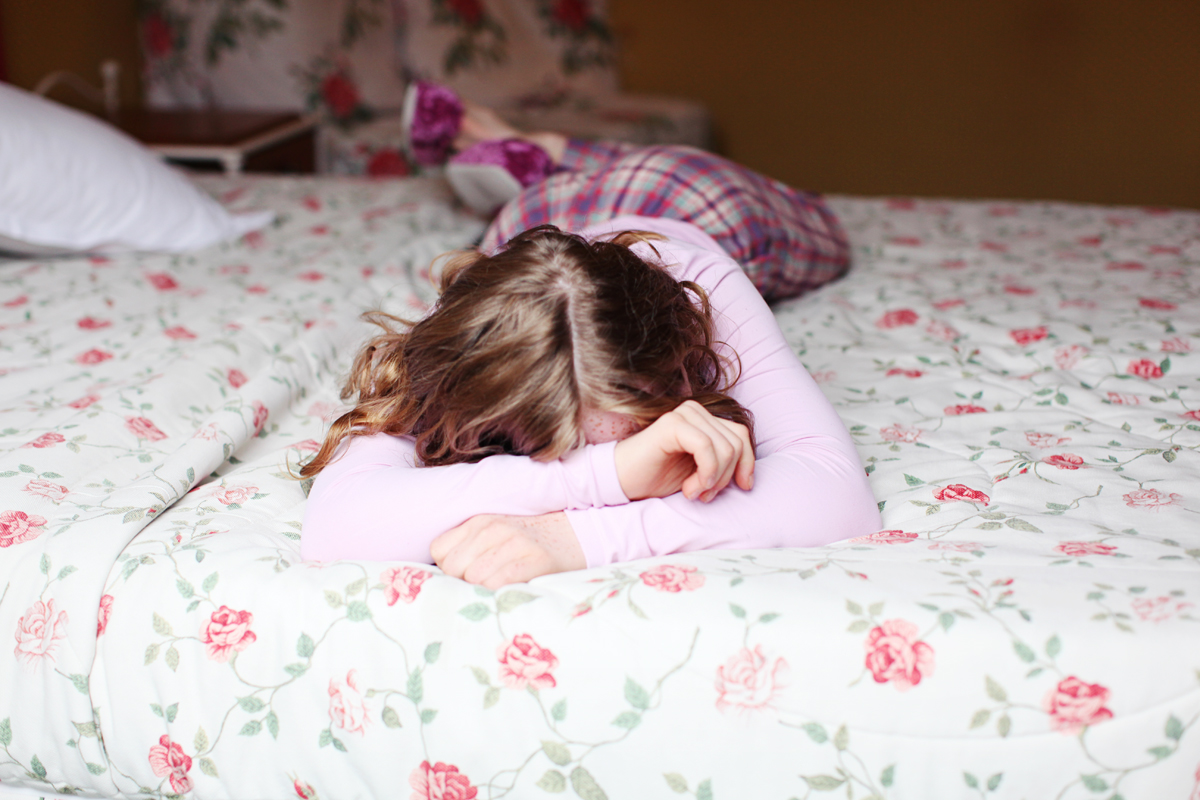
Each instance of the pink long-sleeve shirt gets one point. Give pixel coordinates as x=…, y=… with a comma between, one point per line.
x=374, y=503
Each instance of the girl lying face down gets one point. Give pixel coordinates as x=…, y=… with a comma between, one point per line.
x=560, y=377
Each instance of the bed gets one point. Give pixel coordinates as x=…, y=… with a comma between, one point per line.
x=1019, y=377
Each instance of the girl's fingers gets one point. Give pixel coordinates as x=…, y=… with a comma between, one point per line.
x=715, y=446
x=467, y=543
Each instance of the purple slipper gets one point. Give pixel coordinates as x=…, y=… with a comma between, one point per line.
x=431, y=119
x=487, y=175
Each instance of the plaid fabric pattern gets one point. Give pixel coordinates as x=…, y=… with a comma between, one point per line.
x=787, y=241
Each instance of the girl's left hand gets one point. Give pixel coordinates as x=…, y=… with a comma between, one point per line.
x=494, y=550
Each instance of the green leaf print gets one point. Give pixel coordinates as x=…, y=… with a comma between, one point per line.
x=358, y=611
x=824, y=783
x=676, y=781
x=5, y=732
x=556, y=752
x=432, y=651
x=35, y=765
x=585, y=785
x=704, y=790
x=1094, y=782
x=305, y=646
x=1174, y=728
x=887, y=776
x=628, y=720
x=475, y=612
x=553, y=781
x=510, y=600
x=912, y=480
x=558, y=712
x=816, y=732
x=636, y=695
x=416, y=686
x=161, y=626
x=390, y=717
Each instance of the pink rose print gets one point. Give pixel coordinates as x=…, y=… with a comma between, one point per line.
x=403, y=583
x=749, y=681
x=1065, y=461
x=17, y=302
x=943, y=305
x=1158, y=609
x=325, y=411
x=17, y=527
x=1027, y=336
x=227, y=632
x=93, y=356
x=208, y=432
x=1118, y=399
x=1073, y=705
x=896, y=319
x=885, y=537
x=387, y=162
x=1156, y=304
x=573, y=14
x=260, y=416
x=168, y=760
x=257, y=288
x=106, y=604
x=93, y=324
x=908, y=373
x=1144, y=368
x=940, y=330
x=1125, y=266
x=1068, y=356
x=957, y=491
x=895, y=654
x=237, y=379
x=1151, y=499
x=995, y=247
x=178, y=332
x=1021, y=291
x=312, y=202
x=1194, y=416
x=45, y=440
x=440, y=782
x=234, y=495
x=1176, y=345
x=304, y=790
x=312, y=276
x=161, y=281
x=965, y=408
x=307, y=445
x=524, y=662
x=340, y=94
x=825, y=376
x=346, y=707
x=907, y=241
x=84, y=401
x=958, y=547
x=1080, y=549
x=1036, y=439
x=158, y=35
x=44, y=488
x=39, y=631
x=144, y=429
x=673, y=578
x=899, y=433
x=953, y=263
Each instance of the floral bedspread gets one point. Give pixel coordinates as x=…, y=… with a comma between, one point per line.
x=1020, y=379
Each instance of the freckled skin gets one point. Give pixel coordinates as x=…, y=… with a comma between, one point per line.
x=607, y=426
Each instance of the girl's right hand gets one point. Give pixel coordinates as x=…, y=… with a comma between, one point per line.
x=686, y=450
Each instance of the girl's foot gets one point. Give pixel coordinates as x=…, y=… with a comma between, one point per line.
x=435, y=122
x=488, y=174
x=430, y=121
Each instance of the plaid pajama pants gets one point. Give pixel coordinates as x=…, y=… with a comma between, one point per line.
x=787, y=241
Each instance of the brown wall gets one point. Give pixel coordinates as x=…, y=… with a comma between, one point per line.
x=1077, y=99
x=1073, y=99
x=41, y=36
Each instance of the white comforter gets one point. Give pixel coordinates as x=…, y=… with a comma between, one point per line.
x=1019, y=377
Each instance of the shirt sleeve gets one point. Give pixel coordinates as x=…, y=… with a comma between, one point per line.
x=810, y=487
x=373, y=503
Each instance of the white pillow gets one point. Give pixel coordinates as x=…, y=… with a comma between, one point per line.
x=72, y=183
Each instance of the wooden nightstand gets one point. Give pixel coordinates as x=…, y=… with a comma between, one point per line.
x=236, y=141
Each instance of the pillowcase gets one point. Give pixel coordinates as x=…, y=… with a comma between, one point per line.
x=72, y=183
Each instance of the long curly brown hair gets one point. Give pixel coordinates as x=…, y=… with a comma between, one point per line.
x=522, y=341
